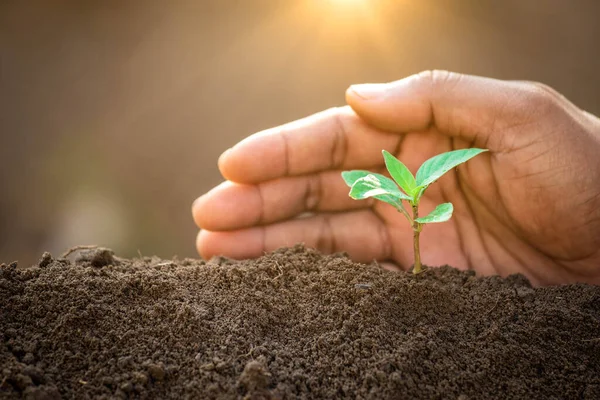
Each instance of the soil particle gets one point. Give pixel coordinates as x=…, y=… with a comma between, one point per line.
x=293, y=324
x=46, y=260
x=98, y=257
x=157, y=372
x=254, y=376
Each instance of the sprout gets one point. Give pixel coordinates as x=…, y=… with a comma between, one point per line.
x=409, y=188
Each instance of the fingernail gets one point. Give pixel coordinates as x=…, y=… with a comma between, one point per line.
x=369, y=91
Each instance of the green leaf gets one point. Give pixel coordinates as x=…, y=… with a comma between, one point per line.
x=373, y=185
x=435, y=167
x=400, y=173
x=383, y=182
x=350, y=177
x=379, y=187
x=442, y=213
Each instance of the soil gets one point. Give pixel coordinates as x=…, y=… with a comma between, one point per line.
x=292, y=324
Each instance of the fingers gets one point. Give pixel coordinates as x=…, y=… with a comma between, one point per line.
x=468, y=107
x=333, y=139
x=360, y=233
x=234, y=206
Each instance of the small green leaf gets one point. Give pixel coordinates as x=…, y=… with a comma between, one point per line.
x=435, y=167
x=442, y=213
x=350, y=177
x=373, y=185
x=383, y=182
x=402, y=175
x=379, y=187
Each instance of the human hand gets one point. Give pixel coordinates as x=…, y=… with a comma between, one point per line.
x=530, y=205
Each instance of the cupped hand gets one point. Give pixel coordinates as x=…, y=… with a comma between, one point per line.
x=530, y=205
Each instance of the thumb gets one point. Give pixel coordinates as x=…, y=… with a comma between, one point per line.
x=470, y=107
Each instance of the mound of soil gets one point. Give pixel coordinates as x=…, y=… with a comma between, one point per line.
x=292, y=324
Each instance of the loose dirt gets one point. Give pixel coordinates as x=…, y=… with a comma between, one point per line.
x=292, y=324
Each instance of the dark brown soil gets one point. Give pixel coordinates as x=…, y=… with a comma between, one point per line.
x=293, y=324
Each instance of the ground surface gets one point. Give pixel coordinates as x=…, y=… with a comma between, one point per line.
x=293, y=324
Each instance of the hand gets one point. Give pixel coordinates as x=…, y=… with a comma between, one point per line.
x=530, y=205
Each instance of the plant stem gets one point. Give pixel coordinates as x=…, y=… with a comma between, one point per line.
x=402, y=210
x=417, y=227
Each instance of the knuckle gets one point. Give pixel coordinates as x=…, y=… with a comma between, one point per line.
x=425, y=75
x=260, y=215
x=325, y=239
x=542, y=87
x=384, y=240
x=426, y=80
x=541, y=96
x=312, y=196
x=339, y=146
x=437, y=79
x=435, y=85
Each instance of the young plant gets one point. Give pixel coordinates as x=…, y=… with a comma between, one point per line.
x=409, y=188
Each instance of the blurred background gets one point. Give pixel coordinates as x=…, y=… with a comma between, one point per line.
x=113, y=113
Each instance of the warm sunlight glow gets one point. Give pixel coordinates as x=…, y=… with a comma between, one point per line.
x=346, y=7
x=326, y=38
x=352, y=23
x=346, y=3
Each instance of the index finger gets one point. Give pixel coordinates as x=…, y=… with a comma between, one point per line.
x=333, y=139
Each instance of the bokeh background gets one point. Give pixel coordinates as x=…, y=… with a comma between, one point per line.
x=113, y=113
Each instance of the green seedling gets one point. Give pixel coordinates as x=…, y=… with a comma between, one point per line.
x=409, y=188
